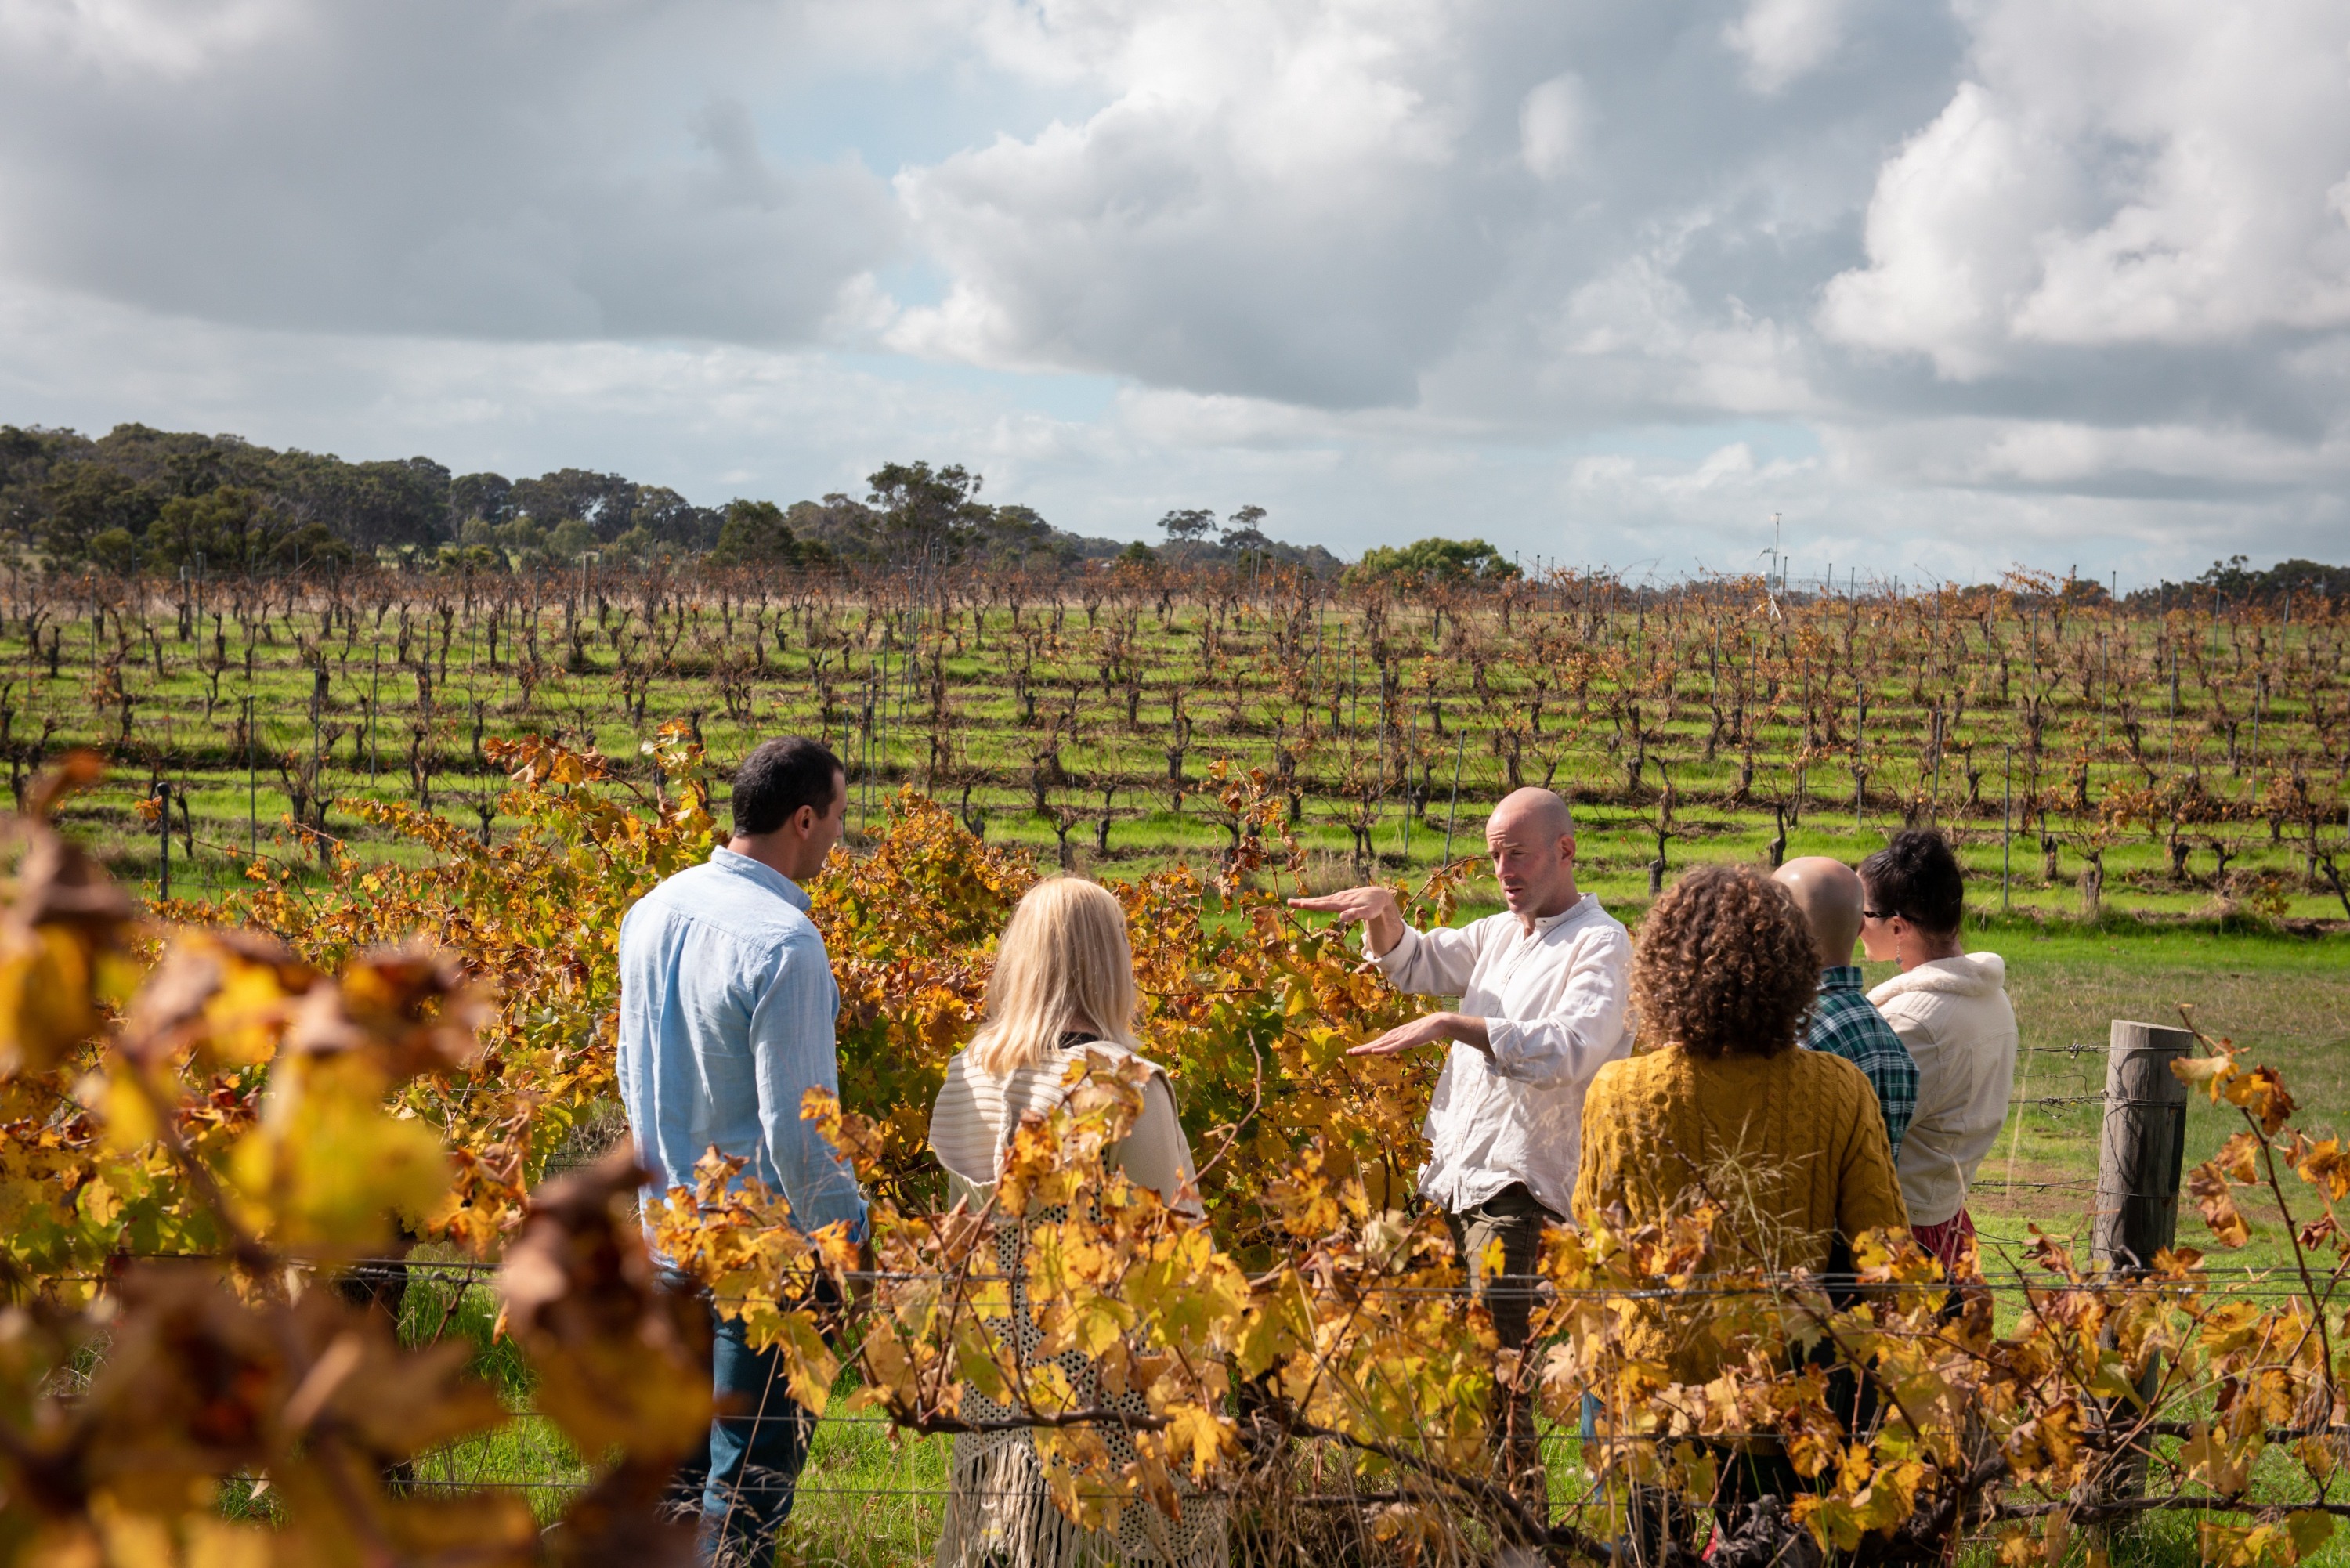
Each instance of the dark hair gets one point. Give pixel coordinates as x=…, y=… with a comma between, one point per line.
x=779, y=777
x=1726, y=965
x=1916, y=877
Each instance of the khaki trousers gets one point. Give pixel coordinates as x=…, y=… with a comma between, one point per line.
x=1513, y=1218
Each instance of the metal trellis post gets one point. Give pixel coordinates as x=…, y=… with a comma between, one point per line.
x=2006, y=820
x=1453, y=812
x=251, y=790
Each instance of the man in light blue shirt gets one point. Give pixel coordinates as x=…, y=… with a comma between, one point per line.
x=726, y=1013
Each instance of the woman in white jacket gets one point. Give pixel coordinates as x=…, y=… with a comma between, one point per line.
x=1950, y=1007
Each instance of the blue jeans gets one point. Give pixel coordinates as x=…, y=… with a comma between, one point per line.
x=746, y=1470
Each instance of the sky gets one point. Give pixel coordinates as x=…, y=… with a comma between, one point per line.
x=1944, y=287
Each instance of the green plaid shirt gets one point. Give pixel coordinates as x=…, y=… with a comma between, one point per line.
x=1845, y=1021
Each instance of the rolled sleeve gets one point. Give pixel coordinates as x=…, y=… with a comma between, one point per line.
x=792, y=1046
x=1430, y=964
x=1579, y=1033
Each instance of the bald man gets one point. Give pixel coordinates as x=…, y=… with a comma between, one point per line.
x=1542, y=989
x=1844, y=1020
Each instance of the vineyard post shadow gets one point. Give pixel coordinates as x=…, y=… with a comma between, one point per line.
x=2141, y=1150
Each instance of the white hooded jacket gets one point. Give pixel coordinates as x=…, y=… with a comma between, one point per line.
x=1954, y=1016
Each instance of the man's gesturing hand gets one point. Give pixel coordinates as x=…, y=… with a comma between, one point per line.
x=1371, y=906
x=1436, y=1028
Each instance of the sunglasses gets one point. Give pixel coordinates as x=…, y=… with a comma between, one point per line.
x=1867, y=914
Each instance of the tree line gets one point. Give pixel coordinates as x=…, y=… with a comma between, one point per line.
x=138, y=499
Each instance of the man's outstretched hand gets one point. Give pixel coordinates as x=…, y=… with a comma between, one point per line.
x=1372, y=906
x=1375, y=909
x=1436, y=1028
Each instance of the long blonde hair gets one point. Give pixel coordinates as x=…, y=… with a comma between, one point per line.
x=1064, y=966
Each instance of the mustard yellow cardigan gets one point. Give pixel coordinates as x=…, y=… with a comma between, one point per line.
x=1791, y=1147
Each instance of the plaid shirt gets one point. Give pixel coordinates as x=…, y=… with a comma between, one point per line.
x=1845, y=1021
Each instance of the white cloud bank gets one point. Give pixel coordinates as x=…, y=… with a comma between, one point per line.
x=1615, y=282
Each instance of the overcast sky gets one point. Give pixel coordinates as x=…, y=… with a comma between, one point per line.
x=2062, y=282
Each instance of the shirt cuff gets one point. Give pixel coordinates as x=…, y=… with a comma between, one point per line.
x=1506, y=1042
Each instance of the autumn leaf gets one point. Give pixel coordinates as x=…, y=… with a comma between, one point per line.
x=2210, y=1072
x=2208, y=1184
x=2238, y=1158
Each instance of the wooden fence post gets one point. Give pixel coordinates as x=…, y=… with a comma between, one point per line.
x=2142, y=1146
x=2141, y=1149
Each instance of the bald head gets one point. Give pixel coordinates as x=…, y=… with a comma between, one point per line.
x=1531, y=836
x=1532, y=812
x=1829, y=894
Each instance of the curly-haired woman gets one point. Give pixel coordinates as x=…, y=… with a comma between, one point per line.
x=1789, y=1144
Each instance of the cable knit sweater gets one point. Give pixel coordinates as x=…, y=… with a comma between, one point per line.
x=1792, y=1145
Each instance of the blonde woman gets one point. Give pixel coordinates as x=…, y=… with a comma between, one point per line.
x=1063, y=988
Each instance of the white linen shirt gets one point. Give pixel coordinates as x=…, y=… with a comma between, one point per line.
x=1553, y=1004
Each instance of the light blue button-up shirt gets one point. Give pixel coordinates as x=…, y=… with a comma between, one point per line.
x=726, y=1011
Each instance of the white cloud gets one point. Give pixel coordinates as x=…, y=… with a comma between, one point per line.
x=1953, y=236
x=145, y=40
x=1553, y=127
x=1785, y=39
x=2116, y=173
x=1268, y=203
x=1965, y=283
x=493, y=169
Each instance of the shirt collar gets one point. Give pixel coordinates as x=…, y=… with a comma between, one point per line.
x=766, y=875
x=1583, y=904
x=1841, y=977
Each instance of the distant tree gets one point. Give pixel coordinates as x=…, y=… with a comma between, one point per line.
x=2236, y=579
x=1242, y=534
x=1436, y=560
x=755, y=533
x=27, y=455
x=1018, y=534
x=1189, y=526
x=481, y=498
x=571, y=539
x=669, y=519
x=227, y=529
x=927, y=515
x=114, y=550
x=372, y=506
x=607, y=503
x=180, y=462
x=234, y=528
x=83, y=500
x=471, y=558
x=308, y=545
x=841, y=524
